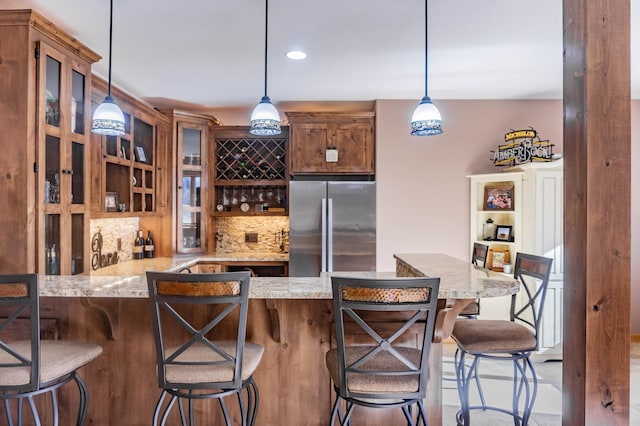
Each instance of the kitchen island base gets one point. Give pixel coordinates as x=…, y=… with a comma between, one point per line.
x=292, y=379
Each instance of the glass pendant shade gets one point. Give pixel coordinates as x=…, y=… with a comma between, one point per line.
x=108, y=119
x=426, y=119
x=265, y=119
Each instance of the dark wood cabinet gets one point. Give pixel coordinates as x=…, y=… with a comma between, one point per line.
x=332, y=143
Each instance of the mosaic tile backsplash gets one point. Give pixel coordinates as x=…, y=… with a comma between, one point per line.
x=272, y=230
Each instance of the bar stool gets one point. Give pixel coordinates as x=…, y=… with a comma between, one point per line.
x=384, y=372
x=502, y=340
x=210, y=358
x=479, y=259
x=33, y=367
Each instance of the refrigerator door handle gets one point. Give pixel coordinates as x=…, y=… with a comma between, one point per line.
x=323, y=267
x=330, y=237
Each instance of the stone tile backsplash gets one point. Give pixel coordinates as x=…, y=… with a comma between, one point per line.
x=230, y=234
x=112, y=229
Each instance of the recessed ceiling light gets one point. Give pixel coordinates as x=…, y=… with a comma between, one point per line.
x=296, y=55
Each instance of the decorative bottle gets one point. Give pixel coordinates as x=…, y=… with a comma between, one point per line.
x=148, y=246
x=138, y=246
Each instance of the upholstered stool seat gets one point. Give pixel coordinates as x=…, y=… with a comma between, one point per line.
x=381, y=363
x=493, y=336
x=194, y=373
x=57, y=359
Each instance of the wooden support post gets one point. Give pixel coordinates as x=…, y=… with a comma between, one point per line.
x=597, y=148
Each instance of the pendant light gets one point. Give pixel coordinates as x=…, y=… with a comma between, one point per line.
x=426, y=119
x=108, y=118
x=265, y=119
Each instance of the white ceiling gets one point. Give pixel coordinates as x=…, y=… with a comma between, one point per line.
x=208, y=54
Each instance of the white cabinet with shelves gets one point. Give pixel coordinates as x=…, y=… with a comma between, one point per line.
x=507, y=215
x=536, y=220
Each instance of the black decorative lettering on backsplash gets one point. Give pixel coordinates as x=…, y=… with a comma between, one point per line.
x=99, y=260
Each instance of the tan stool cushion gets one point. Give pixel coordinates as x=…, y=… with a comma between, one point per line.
x=384, y=361
x=208, y=373
x=57, y=359
x=492, y=336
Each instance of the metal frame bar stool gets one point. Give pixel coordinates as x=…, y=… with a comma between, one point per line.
x=504, y=340
x=34, y=366
x=384, y=371
x=209, y=359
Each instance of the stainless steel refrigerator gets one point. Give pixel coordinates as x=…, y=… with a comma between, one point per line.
x=332, y=227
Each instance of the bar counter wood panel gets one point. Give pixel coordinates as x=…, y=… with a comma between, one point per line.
x=292, y=378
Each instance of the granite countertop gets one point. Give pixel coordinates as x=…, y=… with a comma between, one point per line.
x=127, y=279
x=139, y=267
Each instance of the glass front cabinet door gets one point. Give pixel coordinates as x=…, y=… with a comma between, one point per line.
x=191, y=179
x=62, y=162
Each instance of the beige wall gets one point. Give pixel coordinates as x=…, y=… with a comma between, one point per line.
x=423, y=194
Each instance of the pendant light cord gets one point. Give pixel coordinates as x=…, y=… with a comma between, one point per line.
x=266, y=33
x=426, y=47
x=110, y=44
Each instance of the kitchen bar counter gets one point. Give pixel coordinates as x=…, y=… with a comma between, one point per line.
x=127, y=279
x=290, y=317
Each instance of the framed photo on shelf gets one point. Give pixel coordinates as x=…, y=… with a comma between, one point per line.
x=498, y=197
x=497, y=259
x=111, y=201
x=141, y=155
x=503, y=233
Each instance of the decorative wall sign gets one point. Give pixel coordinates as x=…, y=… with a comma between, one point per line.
x=99, y=260
x=522, y=146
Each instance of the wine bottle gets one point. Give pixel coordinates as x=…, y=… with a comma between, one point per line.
x=138, y=246
x=148, y=246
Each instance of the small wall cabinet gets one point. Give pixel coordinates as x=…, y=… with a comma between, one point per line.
x=129, y=172
x=251, y=176
x=45, y=125
x=332, y=143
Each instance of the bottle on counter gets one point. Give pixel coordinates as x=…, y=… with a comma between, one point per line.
x=148, y=246
x=138, y=246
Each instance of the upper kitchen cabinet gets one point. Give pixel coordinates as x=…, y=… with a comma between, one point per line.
x=250, y=172
x=130, y=173
x=190, y=133
x=45, y=81
x=332, y=143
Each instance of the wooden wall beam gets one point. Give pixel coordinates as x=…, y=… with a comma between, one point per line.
x=597, y=148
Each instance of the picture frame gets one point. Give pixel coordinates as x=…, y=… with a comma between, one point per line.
x=497, y=258
x=111, y=201
x=503, y=233
x=498, y=197
x=141, y=155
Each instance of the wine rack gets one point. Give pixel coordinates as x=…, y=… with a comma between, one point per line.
x=251, y=173
x=251, y=159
